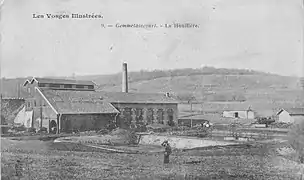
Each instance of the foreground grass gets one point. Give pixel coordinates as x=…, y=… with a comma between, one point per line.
x=46, y=160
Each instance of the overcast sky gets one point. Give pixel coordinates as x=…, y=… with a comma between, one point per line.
x=259, y=34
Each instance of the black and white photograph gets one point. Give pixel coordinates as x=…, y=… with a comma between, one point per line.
x=152, y=89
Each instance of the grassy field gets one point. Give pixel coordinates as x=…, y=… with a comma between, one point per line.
x=46, y=160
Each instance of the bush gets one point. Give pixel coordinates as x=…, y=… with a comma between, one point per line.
x=111, y=126
x=42, y=129
x=140, y=128
x=280, y=125
x=180, y=128
x=32, y=130
x=158, y=127
x=103, y=131
x=19, y=128
x=129, y=137
x=296, y=139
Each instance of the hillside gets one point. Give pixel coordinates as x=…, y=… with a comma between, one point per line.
x=206, y=83
x=115, y=79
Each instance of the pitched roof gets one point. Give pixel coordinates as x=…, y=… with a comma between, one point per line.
x=111, y=97
x=62, y=81
x=68, y=102
x=293, y=111
x=237, y=107
x=132, y=97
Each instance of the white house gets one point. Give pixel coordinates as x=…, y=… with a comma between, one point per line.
x=290, y=115
x=245, y=113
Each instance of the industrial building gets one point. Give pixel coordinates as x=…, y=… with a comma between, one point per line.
x=71, y=105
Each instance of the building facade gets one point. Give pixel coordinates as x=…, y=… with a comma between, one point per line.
x=67, y=105
x=292, y=115
x=243, y=114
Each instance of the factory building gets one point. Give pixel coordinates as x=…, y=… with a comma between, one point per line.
x=71, y=105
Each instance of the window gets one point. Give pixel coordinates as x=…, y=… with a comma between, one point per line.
x=28, y=104
x=80, y=86
x=55, y=85
x=35, y=103
x=29, y=90
x=68, y=86
x=236, y=114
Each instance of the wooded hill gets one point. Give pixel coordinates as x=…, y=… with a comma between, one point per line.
x=202, y=84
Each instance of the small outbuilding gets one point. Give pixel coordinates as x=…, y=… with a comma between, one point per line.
x=243, y=113
x=290, y=115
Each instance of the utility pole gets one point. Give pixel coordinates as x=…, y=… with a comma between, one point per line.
x=191, y=121
x=41, y=114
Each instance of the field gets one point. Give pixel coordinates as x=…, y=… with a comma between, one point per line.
x=261, y=107
x=48, y=160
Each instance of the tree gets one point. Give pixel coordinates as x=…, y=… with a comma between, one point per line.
x=3, y=120
x=296, y=139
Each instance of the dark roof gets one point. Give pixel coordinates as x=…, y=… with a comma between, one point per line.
x=113, y=97
x=293, y=111
x=238, y=107
x=69, y=102
x=26, y=82
x=132, y=97
x=62, y=81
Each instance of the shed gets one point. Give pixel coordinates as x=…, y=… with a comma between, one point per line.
x=290, y=115
x=239, y=112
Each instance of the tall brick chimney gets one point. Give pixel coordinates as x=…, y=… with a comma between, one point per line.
x=124, y=77
x=302, y=75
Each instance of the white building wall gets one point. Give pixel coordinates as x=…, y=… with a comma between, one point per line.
x=251, y=115
x=20, y=118
x=241, y=114
x=285, y=117
x=28, y=119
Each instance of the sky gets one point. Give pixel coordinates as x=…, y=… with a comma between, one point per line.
x=264, y=35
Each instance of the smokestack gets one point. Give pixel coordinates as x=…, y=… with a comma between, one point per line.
x=124, y=77
x=302, y=77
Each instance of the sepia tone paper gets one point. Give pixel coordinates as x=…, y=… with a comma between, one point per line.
x=125, y=89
